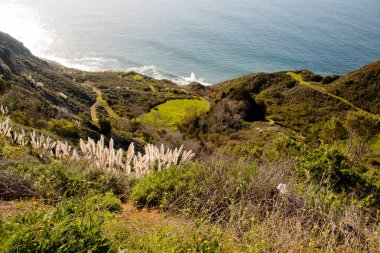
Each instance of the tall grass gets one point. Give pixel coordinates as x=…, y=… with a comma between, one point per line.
x=102, y=156
x=240, y=194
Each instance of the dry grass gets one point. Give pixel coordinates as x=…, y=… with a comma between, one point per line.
x=241, y=196
x=14, y=186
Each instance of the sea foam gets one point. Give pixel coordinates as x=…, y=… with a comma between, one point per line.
x=156, y=73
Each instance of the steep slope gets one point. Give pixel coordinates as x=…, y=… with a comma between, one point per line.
x=48, y=96
x=281, y=99
x=361, y=87
x=39, y=79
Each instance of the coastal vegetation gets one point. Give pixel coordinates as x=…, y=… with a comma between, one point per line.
x=120, y=162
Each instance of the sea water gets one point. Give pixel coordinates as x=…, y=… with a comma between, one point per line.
x=204, y=40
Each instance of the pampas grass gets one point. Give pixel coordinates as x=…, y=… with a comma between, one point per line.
x=103, y=157
x=154, y=158
x=4, y=110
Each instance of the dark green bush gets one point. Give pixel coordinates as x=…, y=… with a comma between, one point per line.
x=57, y=180
x=4, y=86
x=310, y=76
x=118, y=183
x=206, y=190
x=329, y=79
x=105, y=126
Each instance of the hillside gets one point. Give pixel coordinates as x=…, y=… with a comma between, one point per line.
x=38, y=91
x=362, y=87
x=121, y=162
x=280, y=98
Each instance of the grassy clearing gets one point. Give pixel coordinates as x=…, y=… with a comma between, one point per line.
x=138, y=77
x=298, y=78
x=174, y=111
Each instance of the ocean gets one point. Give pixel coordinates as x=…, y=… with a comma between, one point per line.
x=206, y=41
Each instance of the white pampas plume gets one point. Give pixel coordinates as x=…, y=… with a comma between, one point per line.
x=75, y=155
x=4, y=110
x=91, y=147
x=119, y=157
x=83, y=146
x=111, y=158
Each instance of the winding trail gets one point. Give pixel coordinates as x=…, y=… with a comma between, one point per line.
x=103, y=103
x=320, y=89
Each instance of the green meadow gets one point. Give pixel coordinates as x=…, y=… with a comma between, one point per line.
x=173, y=111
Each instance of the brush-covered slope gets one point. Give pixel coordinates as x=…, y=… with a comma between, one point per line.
x=361, y=87
x=48, y=96
x=279, y=98
x=39, y=79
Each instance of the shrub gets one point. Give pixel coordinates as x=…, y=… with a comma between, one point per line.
x=105, y=126
x=57, y=180
x=116, y=182
x=240, y=195
x=329, y=167
x=333, y=130
x=4, y=86
x=79, y=225
x=310, y=76
x=21, y=118
x=211, y=189
x=64, y=128
x=153, y=190
x=13, y=186
x=329, y=79
x=362, y=127
x=326, y=165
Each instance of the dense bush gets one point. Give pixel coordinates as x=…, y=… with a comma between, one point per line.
x=57, y=180
x=329, y=167
x=64, y=128
x=21, y=118
x=79, y=225
x=155, y=189
x=310, y=76
x=329, y=79
x=210, y=190
x=105, y=126
x=241, y=195
x=333, y=130
x=362, y=127
x=4, y=86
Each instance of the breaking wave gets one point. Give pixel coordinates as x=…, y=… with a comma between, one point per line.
x=154, y=72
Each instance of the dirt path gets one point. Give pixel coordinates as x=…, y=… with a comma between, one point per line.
x=153, y=217
x=103, y=103
x=9, y=209
x=298, y=78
